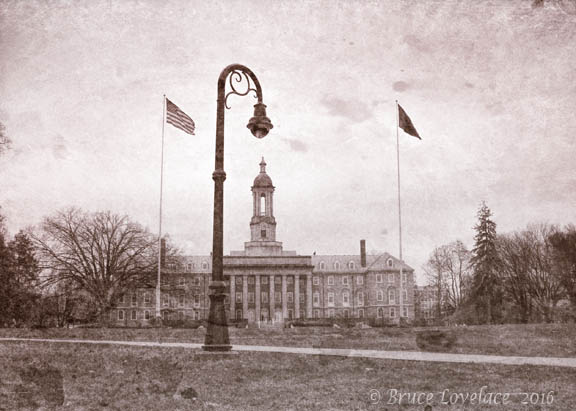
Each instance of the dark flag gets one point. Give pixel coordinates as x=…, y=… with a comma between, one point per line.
x=178, y=118
x=405, y=123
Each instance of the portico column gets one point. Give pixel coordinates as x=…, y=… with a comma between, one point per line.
x=284, y=294
x=296, y=296
x=245, y=297
x=272, y=302
x=257, y=298
x=309, y=296
x=232, y=296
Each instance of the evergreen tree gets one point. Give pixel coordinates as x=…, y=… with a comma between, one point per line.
x=485, y=295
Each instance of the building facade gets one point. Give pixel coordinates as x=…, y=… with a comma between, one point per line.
x=269, y=284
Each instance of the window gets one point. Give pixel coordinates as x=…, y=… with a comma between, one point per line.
x=180, y=315
x=120, y=314
x=345, y=298
x=360, y=280
x=361, y=313
x=251, y=279
x=360, y=298
x=264, y=279
x=189, y=267
x=316, y=280
x=404, y=311
x=345, y=280
x=204, y=265
x=379, y=295
x=165, y=300
x=290, y=297
x=316, y=313
x=134, y=300
x=251, y=298
x=196, y=315
x=146, y=315
x=181, y=281
x=390, y=278
x=278, y=297
x=392, y=312
x=337, y=265
x=351, y=265
x=346, y=313
x=316, y=299
x=239, y=280
x=277, y=279
x=196, y=300
x=181, y=300
x=302, y=314
x=122, y=299
x=331, y=313
x=263, y=230
x=290, y=314
x=331, y=299
x=302, y=299
x=263, y=204
x=264, y=297
x=380, y=313
x=404, y=296
x=389, y=262
x=289, y=279
x=238, y=297
x=147, y=298
x=330, y=280
x=238, y=314
x=391, y=297
x=322, y=265
x=378, y=278
x=134, y=315
x=404, y=277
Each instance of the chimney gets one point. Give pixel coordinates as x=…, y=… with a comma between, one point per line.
x=363, y=253
x=162, y=253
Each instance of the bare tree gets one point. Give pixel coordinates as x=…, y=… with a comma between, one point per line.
x=448, y=270
x=101, y=253
x=4, y=139
x=564, y=244
x=528, y=271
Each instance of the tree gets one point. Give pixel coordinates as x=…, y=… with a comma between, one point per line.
x=564, y=247
x=19, y=272
x=527, y=271
x=448, y=272
x=100, y=253
x=485, y=294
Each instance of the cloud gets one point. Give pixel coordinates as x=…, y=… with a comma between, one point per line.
x=296, y=145
x=354, y=110
x=400, y=86
x=416, y=43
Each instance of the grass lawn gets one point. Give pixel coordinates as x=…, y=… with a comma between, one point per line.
x=84, y=377
x=552, y=340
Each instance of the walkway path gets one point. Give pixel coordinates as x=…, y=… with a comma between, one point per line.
x=385, y=355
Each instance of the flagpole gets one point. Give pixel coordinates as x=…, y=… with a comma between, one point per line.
x=158, y=312
x=399, y=204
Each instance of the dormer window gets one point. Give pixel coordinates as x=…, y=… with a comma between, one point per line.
x=322, y=265
x=389, y=262
x=351, y=265
x=337, y=265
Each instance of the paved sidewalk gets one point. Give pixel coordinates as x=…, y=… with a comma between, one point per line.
x=384, y=355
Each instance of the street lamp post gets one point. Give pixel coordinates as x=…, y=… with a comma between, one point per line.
x=217, y=338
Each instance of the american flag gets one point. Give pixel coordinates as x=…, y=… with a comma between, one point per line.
x=178, y=118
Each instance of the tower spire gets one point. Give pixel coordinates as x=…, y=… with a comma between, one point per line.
x=262, y=165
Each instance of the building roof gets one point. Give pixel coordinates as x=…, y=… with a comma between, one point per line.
x=263, y=179
x=383, y=261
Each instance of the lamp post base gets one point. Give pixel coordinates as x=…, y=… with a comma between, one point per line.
x=217, y=348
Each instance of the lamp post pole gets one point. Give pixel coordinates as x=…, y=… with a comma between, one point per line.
x=217, y=338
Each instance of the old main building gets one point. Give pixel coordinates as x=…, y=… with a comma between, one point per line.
x=268, y=284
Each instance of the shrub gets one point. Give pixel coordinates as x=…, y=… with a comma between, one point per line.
x=435, y=340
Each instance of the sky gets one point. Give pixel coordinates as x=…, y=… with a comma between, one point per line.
x=489, y=85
